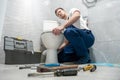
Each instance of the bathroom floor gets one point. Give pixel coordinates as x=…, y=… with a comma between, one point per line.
x=12, y=72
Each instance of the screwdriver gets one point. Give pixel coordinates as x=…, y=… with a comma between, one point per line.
x=64, y=72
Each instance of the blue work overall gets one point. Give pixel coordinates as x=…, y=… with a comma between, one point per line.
x=77, y=49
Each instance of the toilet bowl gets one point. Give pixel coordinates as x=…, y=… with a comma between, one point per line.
x=51, y=41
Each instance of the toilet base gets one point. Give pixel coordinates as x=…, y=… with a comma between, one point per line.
x=51, y=56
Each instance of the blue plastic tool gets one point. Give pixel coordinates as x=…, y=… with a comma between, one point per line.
x=52, y=65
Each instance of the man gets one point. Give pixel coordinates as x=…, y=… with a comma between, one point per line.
x=78, y=37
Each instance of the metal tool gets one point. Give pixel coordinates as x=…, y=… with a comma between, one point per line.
x=89, y=67
x=49, y=69
x=66, y=72
x=35, y=66
x=40, y=74
x=25, y=67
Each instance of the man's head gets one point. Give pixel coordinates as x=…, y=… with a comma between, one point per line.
x=60, y=12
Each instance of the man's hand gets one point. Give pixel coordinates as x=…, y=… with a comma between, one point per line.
x=58, y=30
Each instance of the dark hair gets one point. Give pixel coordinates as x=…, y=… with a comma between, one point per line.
x=58, y=9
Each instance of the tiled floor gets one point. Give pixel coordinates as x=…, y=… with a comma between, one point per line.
x=12, y=72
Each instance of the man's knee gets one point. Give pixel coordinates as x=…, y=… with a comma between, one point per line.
x=67, y=31
x=70, y=32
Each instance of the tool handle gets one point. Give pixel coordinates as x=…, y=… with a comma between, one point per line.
x=64, y=67
x=49, y=69
x=66, y=72
x=26, y=67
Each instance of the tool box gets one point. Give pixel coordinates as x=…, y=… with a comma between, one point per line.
x=20, y=51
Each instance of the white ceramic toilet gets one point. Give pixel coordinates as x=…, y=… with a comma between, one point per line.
x=51, y=41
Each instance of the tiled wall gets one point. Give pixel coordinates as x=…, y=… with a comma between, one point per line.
x=3, y=4
x=105, y=23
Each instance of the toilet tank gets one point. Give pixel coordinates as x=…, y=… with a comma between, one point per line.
x=49, y=25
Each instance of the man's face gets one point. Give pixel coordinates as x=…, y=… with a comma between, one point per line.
x=60, y=13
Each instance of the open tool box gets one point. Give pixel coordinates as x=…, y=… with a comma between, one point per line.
x=20, y=51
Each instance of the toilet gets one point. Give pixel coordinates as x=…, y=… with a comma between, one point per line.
x=51, y=41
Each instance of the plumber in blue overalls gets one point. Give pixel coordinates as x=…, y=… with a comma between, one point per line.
x=78, y=37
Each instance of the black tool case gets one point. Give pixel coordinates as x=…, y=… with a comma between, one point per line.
x=20, y=51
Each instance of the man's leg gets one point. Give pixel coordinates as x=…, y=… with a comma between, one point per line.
x=87, y=36
x=67, y=54
x=76, y=39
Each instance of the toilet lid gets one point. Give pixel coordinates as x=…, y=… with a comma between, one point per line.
x=47, y=32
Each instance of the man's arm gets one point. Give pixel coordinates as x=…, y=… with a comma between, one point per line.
x=73, y=19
